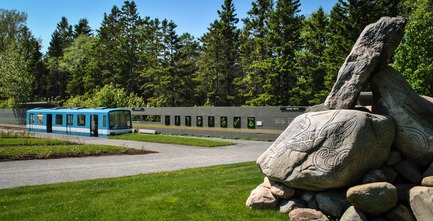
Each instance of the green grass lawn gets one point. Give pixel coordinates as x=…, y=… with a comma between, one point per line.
x=21, y=147
x=172, y=140
x=209, y=193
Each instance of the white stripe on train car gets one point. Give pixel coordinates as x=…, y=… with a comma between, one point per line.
x=82, y=130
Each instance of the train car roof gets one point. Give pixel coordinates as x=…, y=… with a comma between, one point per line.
x=75, y=110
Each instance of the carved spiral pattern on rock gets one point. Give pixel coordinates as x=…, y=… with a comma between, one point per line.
x=326, y=160
x=416, y=139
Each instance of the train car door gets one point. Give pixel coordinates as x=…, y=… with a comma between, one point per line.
x=49, y=123
x=69, y=123
x=94, y=125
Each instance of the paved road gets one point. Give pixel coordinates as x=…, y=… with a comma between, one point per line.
x=168, y=158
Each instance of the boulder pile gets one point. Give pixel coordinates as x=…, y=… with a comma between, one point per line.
x=342, y=161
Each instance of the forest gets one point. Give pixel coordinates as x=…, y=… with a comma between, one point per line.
x=278, y=57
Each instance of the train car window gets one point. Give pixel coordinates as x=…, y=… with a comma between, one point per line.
x=104, y=121
x=32, y=119
x=59, y=119
x=120, y=119
x=81, y=120
x=40, y=119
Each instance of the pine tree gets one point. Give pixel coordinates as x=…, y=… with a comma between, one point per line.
x=219, y=64
x=108, y=49
x=130, y=21
x=57, y=79
x=310, y=58
x=284, y=38
x=188, y=55
x=82, y=28
x=151, y=44
x=255, y=52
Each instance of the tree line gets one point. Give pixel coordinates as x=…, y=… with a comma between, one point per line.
x=278, y=57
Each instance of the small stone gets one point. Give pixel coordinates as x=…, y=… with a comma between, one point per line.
x=427, y=181
x=282, y=191
x=374, y=176
x=409, y=170
x=306, y=214
x=353, y=214
x=332, y=203
x=390, y=173
x=373, y=198
x=400, y=213
x=421, y=202
x=261, y=198
x=286, y=206
x=308, y=196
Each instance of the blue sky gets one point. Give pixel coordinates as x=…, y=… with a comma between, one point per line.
x=193, y=16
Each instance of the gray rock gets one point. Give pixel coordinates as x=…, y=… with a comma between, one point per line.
x=308, y=196
x=266, y=183
x=374, y=176
x=390, y=173
x=373, y=198
x=328, y=149
x=313, y=205
x=429, y=171
x=413, y=114
x=332, y=203
x=372, y=50
x=393, y=158
x=353, y=214
x=421, y=202
x=262, y=198
x=403, y=190
x=282, y=191
x=286, y=206
x=409, y=170
x=304, y=214
x=427, y=181
x=400, y=213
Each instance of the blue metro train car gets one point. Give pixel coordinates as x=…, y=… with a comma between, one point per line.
x=91, y=122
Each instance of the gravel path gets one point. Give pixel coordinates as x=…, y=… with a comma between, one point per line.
x=168, y=158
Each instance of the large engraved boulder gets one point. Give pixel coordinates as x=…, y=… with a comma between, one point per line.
x=328, y=149
x=372, y=50
x=413, y=114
